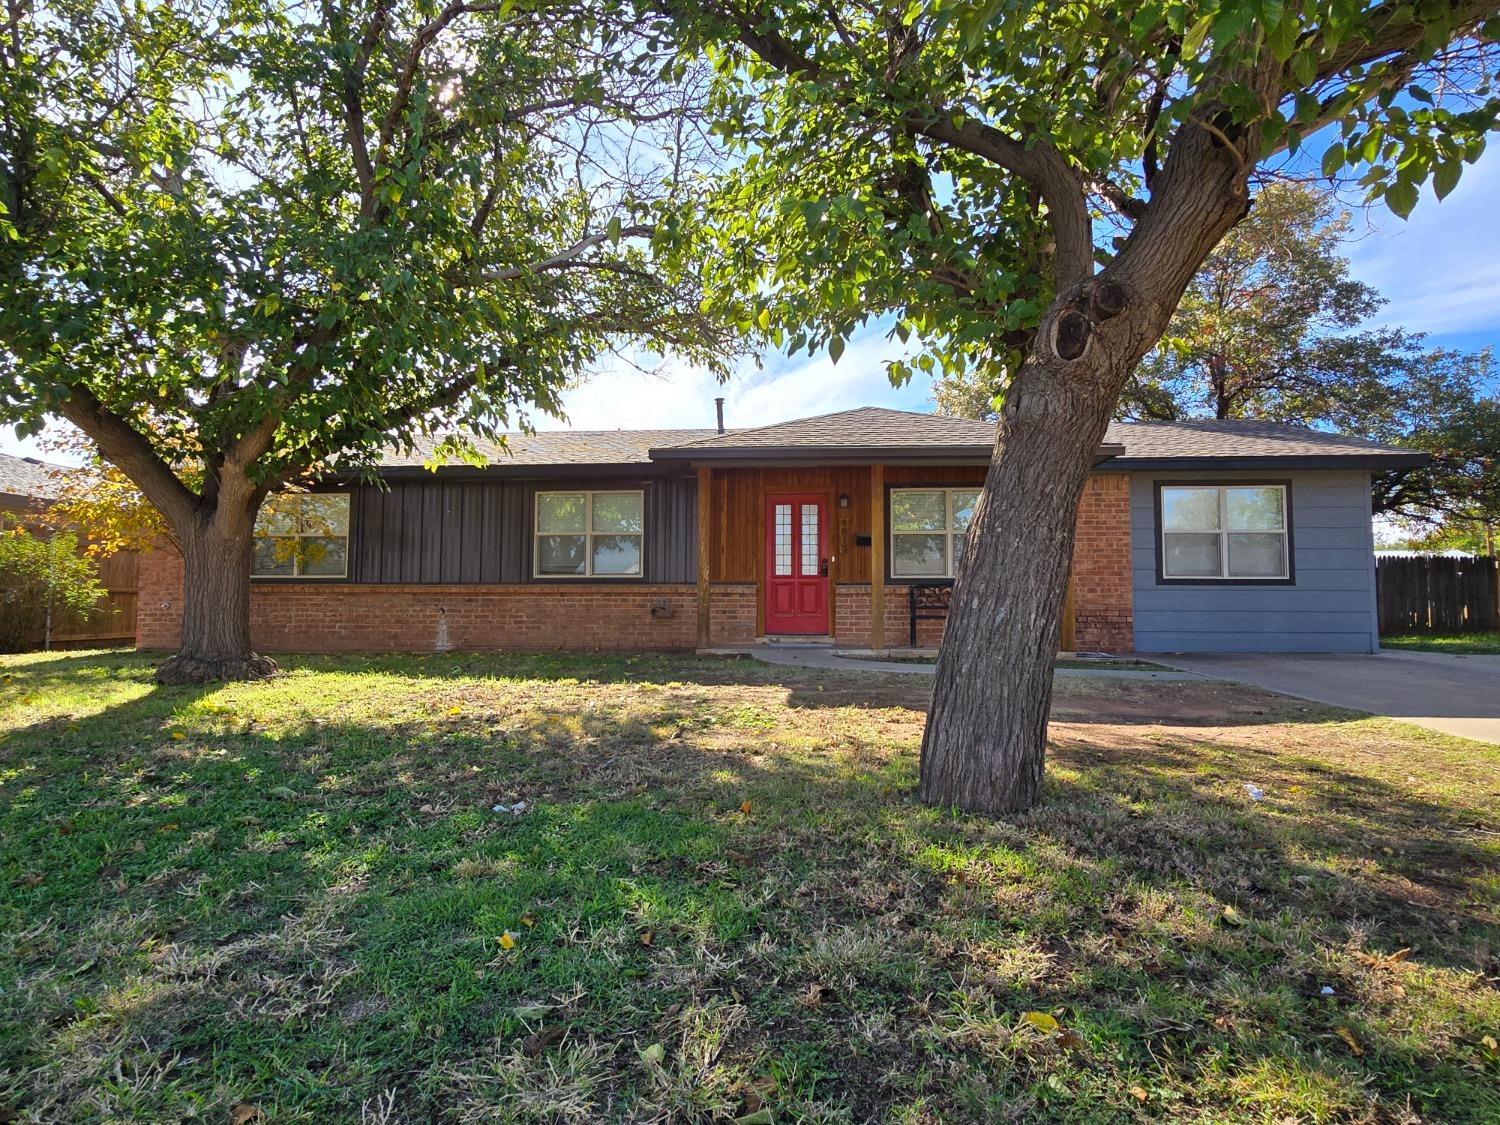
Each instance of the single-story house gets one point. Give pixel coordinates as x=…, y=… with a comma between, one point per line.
x=1192, y=536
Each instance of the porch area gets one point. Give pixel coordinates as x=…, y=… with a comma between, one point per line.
x=836, y=555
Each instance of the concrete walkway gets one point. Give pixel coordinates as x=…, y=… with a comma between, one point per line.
x=821, y=656
x=1452, y=694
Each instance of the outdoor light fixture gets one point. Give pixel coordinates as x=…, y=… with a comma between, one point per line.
x=843, y=499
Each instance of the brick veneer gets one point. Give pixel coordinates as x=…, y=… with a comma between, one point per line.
x=341, y=617
x=312, y=617
x=1103, y=603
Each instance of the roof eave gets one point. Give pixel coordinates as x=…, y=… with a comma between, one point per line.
x=1371, y=460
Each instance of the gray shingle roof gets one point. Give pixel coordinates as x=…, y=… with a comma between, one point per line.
x=872, y=432
x=26, y=476
x=560, y=447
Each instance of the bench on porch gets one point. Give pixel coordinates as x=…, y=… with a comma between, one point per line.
x=927, y=601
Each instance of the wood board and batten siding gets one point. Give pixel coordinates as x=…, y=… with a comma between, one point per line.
x=1328, y=606
x=480, y=531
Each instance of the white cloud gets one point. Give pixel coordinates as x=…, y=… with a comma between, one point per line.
x=1440, y=270
x=620, y=397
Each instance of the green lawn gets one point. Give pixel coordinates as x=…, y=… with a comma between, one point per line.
x=1459, y=644
x=722, y=902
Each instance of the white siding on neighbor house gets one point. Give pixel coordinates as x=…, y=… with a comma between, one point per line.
x=1330, y=606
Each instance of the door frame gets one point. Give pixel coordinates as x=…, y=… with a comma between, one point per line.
x=763, y=583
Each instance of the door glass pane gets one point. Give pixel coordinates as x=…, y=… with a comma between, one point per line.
x=617, y=512
x=1254, y=509
x=1192, y=555
x=964, y=500
x=561, y=554
x=783, y=540
x=323, y=555
x=1190, y=509
x=918, y=511
x=617, y=554
x=561, y=511
x=274, y=556
x=809, y=540
x=1257, y=554
x=918, y=556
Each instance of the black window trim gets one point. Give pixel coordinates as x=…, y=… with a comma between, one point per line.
x=1157, y=531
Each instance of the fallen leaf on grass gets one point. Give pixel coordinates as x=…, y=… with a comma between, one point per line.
x=1070, y=1039
x=1043, y=1022
x=759, y=1117
x=653, y=1055
x=27, y=881
x=1232, y=917
x=243, y=1112
x=528, y=919
x=647, y=937
x=1138, y=1093
x=1348, y=1037
x=756, y=1094
x=745, y=806
x=1379, y=961
x=506, y=941
x=539, y=1040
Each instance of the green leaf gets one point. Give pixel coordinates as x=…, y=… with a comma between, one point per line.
x=1445, y=177
x=1333, y=159
x=1401, y=197
x=612, y=229
x=1193, y=40
x=835, y=347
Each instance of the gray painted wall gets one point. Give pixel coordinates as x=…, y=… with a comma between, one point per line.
x=480, y=531
x=1329, y=608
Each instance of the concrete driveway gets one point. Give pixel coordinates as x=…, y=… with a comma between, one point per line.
x=1453, y=694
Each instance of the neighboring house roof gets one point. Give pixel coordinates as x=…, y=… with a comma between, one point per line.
x=30, y=479
x=875, y=434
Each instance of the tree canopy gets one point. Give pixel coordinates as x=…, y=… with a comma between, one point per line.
x=241, y=245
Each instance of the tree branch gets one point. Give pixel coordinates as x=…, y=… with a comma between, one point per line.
x=124, y=447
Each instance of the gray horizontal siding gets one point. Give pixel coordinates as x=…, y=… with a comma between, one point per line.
x=480, y=531
x=1329, y=608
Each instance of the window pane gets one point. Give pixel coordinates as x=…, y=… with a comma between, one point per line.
x=918, y=556
x=1190, y=509
x=617, y=512
x=561, y=554
x=1254, y=509
x=561, y=511
x=274, y=556
x=324, y=514
x=617, y=554
x=809, y=540
x=964, y=500
x=783, y=543
x=918, y=511
x=958, y=550
x=277, y=516
x=323, y=555
x=1192, y=556
x=1257, y=554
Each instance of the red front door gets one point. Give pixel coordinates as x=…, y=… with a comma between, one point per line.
x=797, y=563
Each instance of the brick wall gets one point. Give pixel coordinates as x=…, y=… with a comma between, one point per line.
x=306, y=617
x=731, y=613
x=1102, y=597
x=343, y=617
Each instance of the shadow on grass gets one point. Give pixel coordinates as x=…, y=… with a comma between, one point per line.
x=301, y=900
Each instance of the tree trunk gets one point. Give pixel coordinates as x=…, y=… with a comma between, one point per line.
x=215, y=646
x=984, y=745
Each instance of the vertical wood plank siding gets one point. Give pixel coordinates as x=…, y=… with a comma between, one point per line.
x=480, y=531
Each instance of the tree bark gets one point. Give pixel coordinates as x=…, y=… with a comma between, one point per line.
x=215, y=646
x=984, y=747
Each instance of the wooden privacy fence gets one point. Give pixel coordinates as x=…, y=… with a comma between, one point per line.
x=1429, y=594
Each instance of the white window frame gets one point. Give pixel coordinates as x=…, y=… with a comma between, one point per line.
x=949, y=532
x=1223, y=531
x=588, y=533
x=301, y=534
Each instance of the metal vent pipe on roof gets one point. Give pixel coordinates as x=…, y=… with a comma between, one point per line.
x=719, y=406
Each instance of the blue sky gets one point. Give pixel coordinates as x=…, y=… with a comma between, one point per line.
x=1440, y=271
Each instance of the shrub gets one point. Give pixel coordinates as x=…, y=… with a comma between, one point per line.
x=45, y=585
